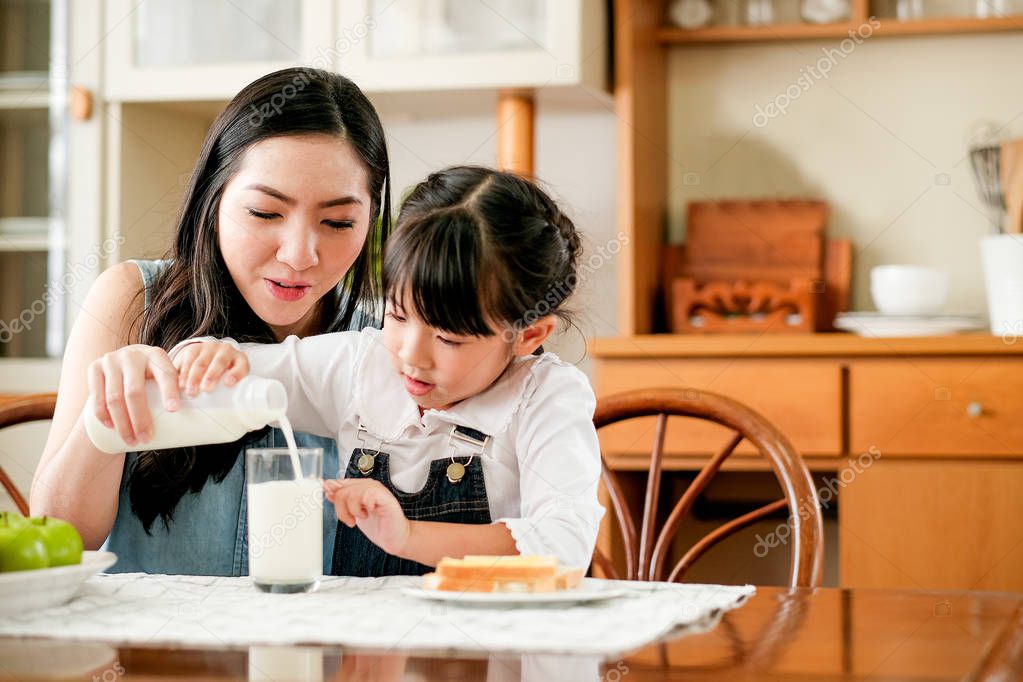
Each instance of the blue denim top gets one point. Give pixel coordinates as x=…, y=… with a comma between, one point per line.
x=209, y=532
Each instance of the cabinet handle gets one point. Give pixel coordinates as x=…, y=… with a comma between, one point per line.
x=975, y=409
x=81, y=103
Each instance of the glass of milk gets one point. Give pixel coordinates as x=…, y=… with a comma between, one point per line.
x=285, y=518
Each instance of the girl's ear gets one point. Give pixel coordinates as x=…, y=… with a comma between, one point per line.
x=533, y=336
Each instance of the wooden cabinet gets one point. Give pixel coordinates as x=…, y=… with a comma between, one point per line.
x=921, y=440
x=954, y=524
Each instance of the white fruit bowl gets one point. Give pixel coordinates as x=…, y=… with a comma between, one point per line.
x=21, y=591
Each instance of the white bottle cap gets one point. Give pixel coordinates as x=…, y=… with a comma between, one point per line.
x=260, y=400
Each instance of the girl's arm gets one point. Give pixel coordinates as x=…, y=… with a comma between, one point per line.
x=559, y=469
x=74, y=480
x=316, y=372
x=366, y=503
x=430, y=541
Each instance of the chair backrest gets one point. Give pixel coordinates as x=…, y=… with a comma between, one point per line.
x=646, y=551
x=20, y=410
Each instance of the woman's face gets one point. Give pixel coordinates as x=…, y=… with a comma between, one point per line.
x=291, y=222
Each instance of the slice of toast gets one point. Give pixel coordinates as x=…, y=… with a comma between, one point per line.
x=432, y=581
x=477, y=573
x=507, y=568
x=569, y=578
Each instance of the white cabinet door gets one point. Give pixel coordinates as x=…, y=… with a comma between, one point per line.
x=405, y=45
x=200, y=50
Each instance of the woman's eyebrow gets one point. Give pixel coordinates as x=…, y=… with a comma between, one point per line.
x=277, y=194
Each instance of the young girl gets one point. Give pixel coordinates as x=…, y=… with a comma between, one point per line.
x=464, y=436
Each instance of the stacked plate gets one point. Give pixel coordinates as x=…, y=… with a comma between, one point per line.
x=879, y=325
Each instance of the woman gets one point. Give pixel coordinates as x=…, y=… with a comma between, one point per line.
x=279, y=233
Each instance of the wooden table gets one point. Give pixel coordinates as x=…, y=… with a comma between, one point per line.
x=824, y=634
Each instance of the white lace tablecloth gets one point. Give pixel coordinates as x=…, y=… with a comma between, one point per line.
x=172, y=610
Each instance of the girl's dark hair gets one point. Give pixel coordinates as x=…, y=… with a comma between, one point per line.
x=196, y=296
x=477, y=248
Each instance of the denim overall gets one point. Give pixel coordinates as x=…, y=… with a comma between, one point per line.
x=455, y=492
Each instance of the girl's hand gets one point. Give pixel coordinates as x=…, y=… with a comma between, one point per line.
x=370, y=506
x=117, y=385
x=201, y=366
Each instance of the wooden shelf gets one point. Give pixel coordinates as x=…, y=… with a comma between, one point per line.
x=889, y=27
x=797, y=345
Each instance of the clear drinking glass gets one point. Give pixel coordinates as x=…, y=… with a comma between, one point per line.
x=285, y=519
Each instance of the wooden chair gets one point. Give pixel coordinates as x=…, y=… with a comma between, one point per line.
x=646, y=551
x=20, y=410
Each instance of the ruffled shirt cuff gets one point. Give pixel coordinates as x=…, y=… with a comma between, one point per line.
x=537, y=537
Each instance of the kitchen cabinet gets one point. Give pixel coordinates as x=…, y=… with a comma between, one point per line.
x=33, y=157
x=202, y=50
x=405, y=45
x=919, y=440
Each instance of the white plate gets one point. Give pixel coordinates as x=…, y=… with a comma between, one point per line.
x=890, y=326
x=582, y=594
x=45, y=587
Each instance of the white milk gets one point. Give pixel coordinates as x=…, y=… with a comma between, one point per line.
x=222, y=415
x=285, y=663
x=289, y=438
x=286, y=531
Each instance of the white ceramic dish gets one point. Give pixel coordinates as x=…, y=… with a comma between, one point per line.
x=24, y=590
x=908, y=289
x=893, y=326
x=585, y=593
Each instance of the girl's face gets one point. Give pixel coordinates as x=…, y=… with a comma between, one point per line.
x=291, y=222
x=440, y=369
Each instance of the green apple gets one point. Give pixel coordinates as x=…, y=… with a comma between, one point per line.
x=13, y=519
x=63, y=543
x=21, y=548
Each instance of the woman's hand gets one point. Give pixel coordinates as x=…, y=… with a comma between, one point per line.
x=117, y=385
x=201, y=366
x=370, y=506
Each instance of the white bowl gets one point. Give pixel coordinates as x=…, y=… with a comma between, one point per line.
x=45, y=587
x=908, y=289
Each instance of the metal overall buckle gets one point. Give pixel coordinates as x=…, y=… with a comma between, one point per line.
x=466, y=436
x=366, y=461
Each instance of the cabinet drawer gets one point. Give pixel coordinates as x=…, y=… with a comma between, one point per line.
x=937, y=407
x=800, y=397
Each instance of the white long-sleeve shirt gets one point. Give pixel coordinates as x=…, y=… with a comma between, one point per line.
x=541, y=465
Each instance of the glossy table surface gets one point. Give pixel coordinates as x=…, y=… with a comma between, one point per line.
x=823, y=634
